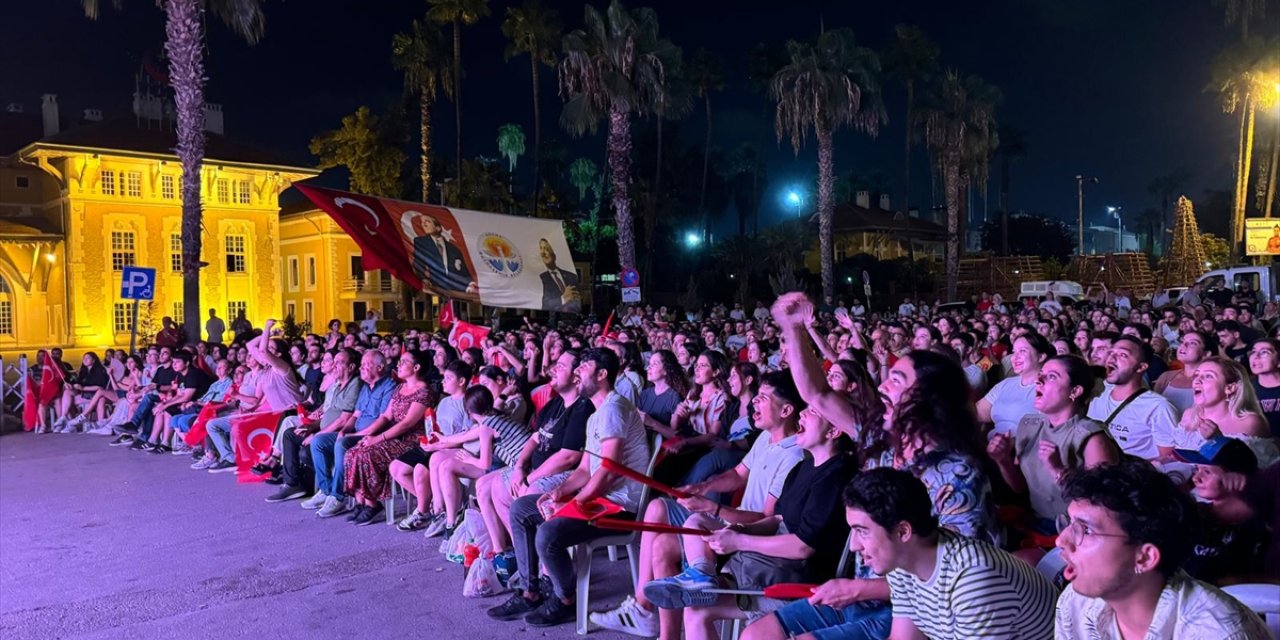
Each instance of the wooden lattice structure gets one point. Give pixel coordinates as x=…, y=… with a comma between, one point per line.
x=1003, y=275
x=1130, y=271
x=1185, y=260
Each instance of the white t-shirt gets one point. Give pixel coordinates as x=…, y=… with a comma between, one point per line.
x=1052, y=306
x=769, y=463
x=906, y=309
x=1148, y=422
x=618, y=418
x=978, y=378
x=1010, y=401
x=451, y=418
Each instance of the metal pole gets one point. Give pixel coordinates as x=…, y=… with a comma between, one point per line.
x=133, y=333
x=1080, y=213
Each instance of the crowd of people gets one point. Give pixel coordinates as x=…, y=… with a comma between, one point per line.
x=972, y=471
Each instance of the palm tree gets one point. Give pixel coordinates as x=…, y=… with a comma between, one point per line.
x=457, y=13
x=1242, y=11
x=1240, y=78
x=421, y=54
x=511, y=144
x=1012, y=146
x=673, y=103
x=1166, y=187
x=613, y=67
x=958, y=118
x=704, y=74
x=763, y=61
x=582, y=173
x=184, y=46
x=912, y=57
x=535, y=30
x=1151, y=222
x=828, y=83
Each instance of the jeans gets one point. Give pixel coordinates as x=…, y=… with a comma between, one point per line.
x=536, y=539
x=219, y=430
x=142, y=415
x=327, y=453
x=711, y=465
x=867, y=620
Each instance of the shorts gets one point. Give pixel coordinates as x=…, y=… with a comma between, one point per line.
x=121, y=394
x=86, y=395
x=870, y=620
x=542, y=485
x=676, y=514
x=415, y=456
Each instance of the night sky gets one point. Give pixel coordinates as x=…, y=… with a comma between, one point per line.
x=1112, y=88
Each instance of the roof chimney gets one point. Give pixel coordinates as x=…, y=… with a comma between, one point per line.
x=863, y=198
x=93, y=115
x=213, y=119
x=884, y=202
x=49, y=112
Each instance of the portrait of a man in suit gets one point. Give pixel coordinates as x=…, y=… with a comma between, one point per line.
x=437, y=259
x=559, y=286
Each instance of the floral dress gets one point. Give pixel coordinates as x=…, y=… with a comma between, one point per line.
x=367, y=466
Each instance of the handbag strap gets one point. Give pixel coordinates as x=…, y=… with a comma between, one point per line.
x=1122, y=405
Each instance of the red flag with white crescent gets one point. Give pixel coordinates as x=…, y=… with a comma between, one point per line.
x=446, y=318
x=252, y=435
x=465, y=335
x=30, y=408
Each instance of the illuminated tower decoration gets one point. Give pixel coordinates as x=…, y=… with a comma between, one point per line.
x=1185, y=260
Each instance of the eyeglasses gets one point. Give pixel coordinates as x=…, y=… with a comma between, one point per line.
x=1078, y=531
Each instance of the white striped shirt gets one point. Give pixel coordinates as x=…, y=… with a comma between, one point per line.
x=976, y=591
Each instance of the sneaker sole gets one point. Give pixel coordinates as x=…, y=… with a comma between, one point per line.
x=667, y=595
x=321, y=514
x=224, y=470
x=509, y=617
x=620, y=628
x=273, y=499
x=374, y=520
x=550, y=623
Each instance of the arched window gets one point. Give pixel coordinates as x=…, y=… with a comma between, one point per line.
x=6, y=308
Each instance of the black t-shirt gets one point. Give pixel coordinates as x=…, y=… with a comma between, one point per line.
x=93, y=376
x=1225, y=550
x=812, y=509
x=1269, y=398
x=1239, y=354
x=164, y=376
x=195, y=379
x=559, y=428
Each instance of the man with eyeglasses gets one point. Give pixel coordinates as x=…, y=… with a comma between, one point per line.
x=1129, y=530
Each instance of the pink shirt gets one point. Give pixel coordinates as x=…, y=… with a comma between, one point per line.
x=280, y=391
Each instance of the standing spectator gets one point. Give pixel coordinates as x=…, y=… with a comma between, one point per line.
x=169, y=335
x=369, y=325
x=241, y=327
x=215, y=327
x=1130, y=531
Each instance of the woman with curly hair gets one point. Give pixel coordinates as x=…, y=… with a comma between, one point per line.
x=667, y=387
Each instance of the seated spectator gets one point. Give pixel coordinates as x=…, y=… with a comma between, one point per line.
x=506, y=394
x=128, y=391
x=329, y=448
x=190, y=383
x=1264, y=363
x=550, y=454
x=81, y=397
x=333, y=414
x=1141, y=422
x=412, y=470
x=800, y=542
x=1229, y=546
x=1053, y=442
x=1130, y=532
x=744, y=382
x=1014, y=397
x=614, y=432
x=699, y=421
x=667, y=388
x=1176, y=386
x=1225, y=404
x=366, y=465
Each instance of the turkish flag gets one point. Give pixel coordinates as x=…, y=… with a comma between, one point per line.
x=447, y=318
x=51, y=380
x=465, y=335
x=30, y=412
x=251, y=436
x=199, y=428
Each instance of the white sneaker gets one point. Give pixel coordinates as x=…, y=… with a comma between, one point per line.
x=333, y=507
x=629, y=618
x=100, y=429
x=315, y=502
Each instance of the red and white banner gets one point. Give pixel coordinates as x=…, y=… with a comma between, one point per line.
x=251, y=437
x=446, y=318
x=498, y=260
x=465, y=335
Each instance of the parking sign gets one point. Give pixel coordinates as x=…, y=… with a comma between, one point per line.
x=138, y=283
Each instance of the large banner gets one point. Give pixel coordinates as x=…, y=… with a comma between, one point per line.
x=1261, y=236
x=498, y=260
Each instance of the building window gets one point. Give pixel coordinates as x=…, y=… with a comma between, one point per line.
x=122, y=316
x=177, y=312
x=311, y=272
x=234, y=309
x=224, y=195
x=242, y=192
x=22, y=182
x=108, y=183
x=175, y=253
x=167, y=190
x=235, y=254
x=384, y=277
x=122, y=250
x=293, y=273
x=307, y=312
x=133, y=184
x=6, y=308
x=291, y=311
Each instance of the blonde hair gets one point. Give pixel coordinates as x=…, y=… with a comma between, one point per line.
x=1245, y=400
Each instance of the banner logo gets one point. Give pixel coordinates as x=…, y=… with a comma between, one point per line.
x=500, y=255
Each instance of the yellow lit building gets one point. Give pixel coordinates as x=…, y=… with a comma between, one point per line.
x=79, y=203
x=879, y=231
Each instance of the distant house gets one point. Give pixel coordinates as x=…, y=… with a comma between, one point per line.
x=881, y=232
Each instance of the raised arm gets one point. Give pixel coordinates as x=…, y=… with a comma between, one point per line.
x=790, y=312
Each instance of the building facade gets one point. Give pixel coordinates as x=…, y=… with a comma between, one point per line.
x=878, y=231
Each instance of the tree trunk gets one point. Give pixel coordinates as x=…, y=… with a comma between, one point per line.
x=706, y=156
x=1242, y=179
x=457, y=100
x=620, y=175
x=1269, y=204
x=537, y=133
x=906, y=187
x=951, y=190
x=1004, y=205
x=1252, y=106
x=424, y=130
x=826, y=189
x=651, y=215
x=184, y=44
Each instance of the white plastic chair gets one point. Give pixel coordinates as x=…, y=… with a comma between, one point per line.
x=1264, y=599
x=582, y=552
x=1051, y=564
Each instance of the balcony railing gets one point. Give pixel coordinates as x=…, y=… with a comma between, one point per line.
x=362, y=285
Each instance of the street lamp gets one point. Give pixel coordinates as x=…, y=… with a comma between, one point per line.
x=692, y=239
x=1115, y=211
x=796, y=200
x=1080, y=180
